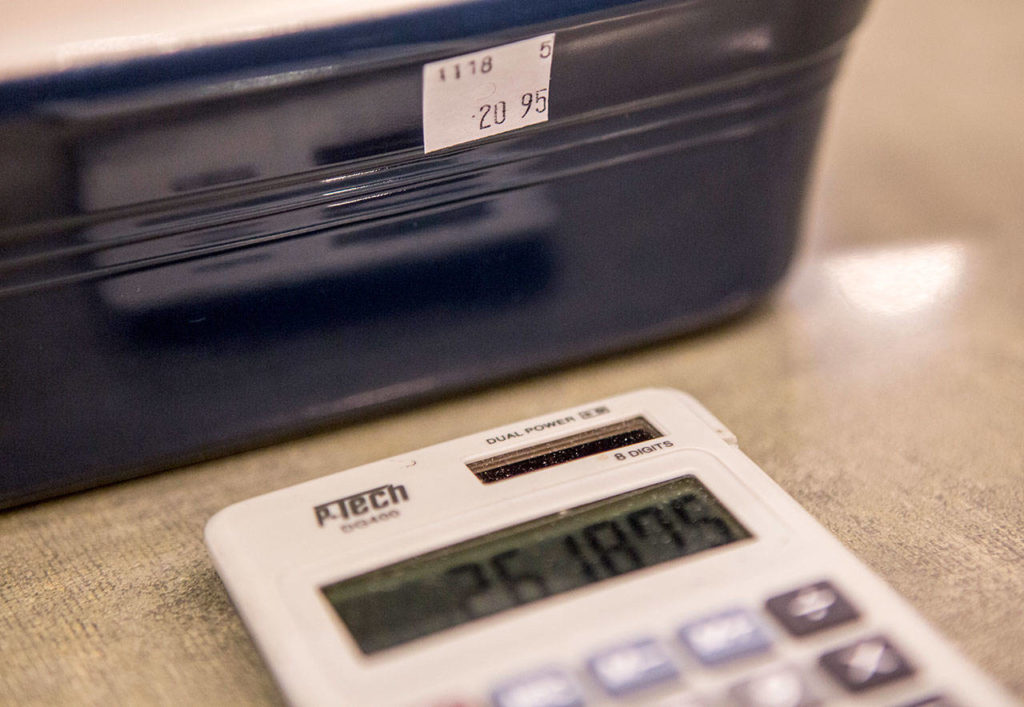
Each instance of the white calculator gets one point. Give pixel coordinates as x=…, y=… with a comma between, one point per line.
x=623, y=552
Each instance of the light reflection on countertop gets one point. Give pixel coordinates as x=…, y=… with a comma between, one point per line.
x=897, y=282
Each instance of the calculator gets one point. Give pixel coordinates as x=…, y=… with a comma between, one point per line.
x=622, y=552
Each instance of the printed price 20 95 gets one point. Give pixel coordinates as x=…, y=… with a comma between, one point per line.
x=492, y=114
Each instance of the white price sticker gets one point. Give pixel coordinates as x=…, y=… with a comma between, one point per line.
x=486, y=93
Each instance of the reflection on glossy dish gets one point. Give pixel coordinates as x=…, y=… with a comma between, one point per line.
x=757, y=39
x=900, y=281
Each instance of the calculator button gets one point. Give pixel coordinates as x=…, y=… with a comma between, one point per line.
x=725, y=636
x=549, y=687
x=812, y=608
x=781, y=687
x=633, y=666
x=866, y=664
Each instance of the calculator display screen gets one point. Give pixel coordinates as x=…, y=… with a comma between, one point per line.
x=528, y=562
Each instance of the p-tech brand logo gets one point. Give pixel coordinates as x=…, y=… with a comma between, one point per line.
x=363, y=509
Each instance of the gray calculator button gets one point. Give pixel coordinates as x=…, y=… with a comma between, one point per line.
x=725, y=636
x=632, y=666
x=812, y=608
x=548, y=687
x=865, y=664
x=780, y=687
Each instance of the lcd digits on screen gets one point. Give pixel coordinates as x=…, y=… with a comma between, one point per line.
x=528, y=562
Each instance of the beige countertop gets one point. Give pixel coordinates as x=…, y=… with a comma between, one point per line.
x=883, y=387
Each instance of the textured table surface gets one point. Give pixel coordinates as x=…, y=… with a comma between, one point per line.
x=883, y=387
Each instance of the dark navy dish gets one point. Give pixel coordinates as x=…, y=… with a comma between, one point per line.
x=208, y=250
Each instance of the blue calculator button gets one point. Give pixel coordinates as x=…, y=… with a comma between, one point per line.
x=779, y=687
x=633, y=666
x=548, y=687
x=725, y=636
